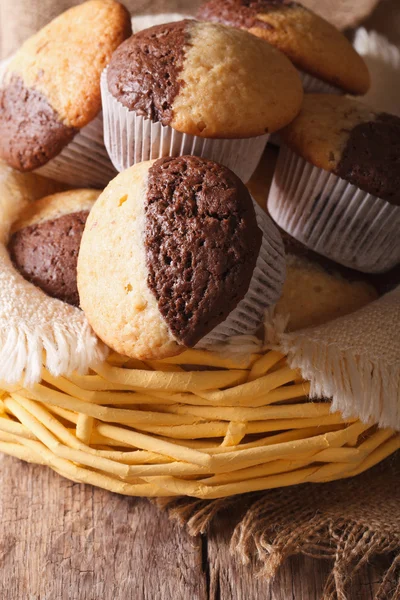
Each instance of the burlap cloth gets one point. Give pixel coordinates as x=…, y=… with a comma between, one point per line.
x=355, y=360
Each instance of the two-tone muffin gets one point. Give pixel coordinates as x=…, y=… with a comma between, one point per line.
x=174, y=255
x=196, y=88
x=44, y=242
x=50, y=98
x=325, y=58
x=336, y=187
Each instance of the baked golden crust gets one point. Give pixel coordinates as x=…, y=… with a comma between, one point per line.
x=234, y=85
x=321, y=130
x=64, y=60
x=315, y=46
x=112, y=275
x=55, y=206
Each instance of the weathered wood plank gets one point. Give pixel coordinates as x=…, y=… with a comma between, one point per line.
x=65, y=541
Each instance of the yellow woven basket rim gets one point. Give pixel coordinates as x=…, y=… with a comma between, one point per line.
x=166, y=428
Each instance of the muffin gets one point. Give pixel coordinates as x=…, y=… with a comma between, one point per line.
x=317, y=290
x=326, y=60
x=336, y=187
x=174, y=255
x=50, y=98
x=44, y=243
x=196, y=88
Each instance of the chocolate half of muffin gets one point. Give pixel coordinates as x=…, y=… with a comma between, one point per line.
x=31, y=131
x=371, y=158
x=201, y=243
x=44, y=245
x=144, y=71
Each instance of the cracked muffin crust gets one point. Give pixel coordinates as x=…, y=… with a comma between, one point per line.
x=312, y=44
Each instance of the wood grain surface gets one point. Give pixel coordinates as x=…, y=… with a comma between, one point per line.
x=61, y=540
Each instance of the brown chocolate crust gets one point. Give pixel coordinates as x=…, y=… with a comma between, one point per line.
x=30, y=131
x=46, y=254
x=240, y=13
x=371, y=158
x=201, y=241
x=144, y=71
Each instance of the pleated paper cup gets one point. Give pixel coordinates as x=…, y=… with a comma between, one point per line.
x=85, y=161
x=130, y=139
x=333, y=217
x=383, y=61
x=313, y=85
x=264, y=291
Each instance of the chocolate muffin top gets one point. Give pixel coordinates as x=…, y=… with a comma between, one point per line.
x=184, y=240
x=51, y=87
x=311, y=43
x=346, y=137
x=205, y=79
x=201, y=243
x=44, y=244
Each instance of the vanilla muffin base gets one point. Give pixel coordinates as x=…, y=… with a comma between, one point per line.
x=264, y=291
x=137, y=322
x=333, y=217
x=132, y=139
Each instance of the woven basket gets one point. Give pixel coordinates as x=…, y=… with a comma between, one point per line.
x=199, y=424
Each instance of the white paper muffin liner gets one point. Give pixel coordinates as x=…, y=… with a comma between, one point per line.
x=131, y=139
x=333, y=217
x=383, y=61
x=313, y=85
x=85, y=161
x=264, y=290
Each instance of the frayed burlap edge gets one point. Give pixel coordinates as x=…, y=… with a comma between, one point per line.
x=347, y=522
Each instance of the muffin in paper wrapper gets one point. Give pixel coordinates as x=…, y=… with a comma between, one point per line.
x=264, y=290
x=84, y=162
x=333, y=217
x=130, y=139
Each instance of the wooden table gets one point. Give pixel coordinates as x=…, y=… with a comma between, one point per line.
x=66, y=541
